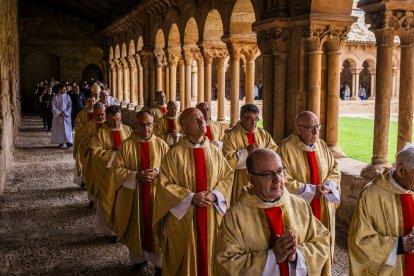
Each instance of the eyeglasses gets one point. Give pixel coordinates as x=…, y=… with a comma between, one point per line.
x=312, y=128
x=250, y=119
x=269, y=176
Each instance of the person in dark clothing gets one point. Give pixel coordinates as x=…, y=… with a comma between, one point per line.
x=78, y=102
x=46, y=104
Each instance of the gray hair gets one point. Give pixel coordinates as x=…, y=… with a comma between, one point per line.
x=405, y=156
x=103, y=92
x=98, y=106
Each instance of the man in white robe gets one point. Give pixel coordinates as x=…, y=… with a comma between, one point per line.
x=61, y=124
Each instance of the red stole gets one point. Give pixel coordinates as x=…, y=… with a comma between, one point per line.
x=116, y=138
x=407, y=207
x=314, y=179
x=208, y=134
x=90, y=116
x=250, y=138
x=275, y=222
x=146, y=198
x=201, y=212
x=171, y=125
x=163, y=109
x=98, y=126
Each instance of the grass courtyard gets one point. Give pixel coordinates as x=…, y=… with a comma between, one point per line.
x=356, y=138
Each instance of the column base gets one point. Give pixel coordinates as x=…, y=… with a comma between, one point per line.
x=138, y=108
x=355, y=98
x=371, y=98
x=371, y=170
x=131, y=106
x=124, y=104
x=337, y=152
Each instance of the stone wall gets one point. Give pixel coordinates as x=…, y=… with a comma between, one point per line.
x=56, y=45
x=9, y=84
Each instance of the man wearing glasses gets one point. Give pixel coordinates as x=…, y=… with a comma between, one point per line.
x=238, y=142
x=270, y=231
x=312, y=172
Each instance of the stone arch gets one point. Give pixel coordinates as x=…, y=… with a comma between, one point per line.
x=92, y=71
x=140, y=43
x=213, y=28
x=131, y=48
x=351, y=61
x=159, y=39
x=124, y=50
x=242, y=18
x=191, y=32
x=174, y=36
x=117, y=52
x=370, y=61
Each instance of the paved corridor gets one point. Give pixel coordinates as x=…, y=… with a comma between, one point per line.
x=46, y=226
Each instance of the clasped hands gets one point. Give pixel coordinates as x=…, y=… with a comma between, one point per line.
x=322, y=190
x=408, y=242
x=203, y=199
x=147, y=175
x=285, y=247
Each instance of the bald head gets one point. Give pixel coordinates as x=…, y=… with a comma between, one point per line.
x=307, y=127
x=259, y=156
x=193, y=124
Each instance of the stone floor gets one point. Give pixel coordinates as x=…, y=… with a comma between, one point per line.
x=46, y=226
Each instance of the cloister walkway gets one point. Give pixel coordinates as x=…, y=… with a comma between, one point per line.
x=46, y=226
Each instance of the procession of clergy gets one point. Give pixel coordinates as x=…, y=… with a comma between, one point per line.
x=189, y=198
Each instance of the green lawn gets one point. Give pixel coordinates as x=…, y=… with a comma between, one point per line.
x=356, y=138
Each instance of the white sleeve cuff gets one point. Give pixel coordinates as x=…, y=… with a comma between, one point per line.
x=109, y=164
x=220, y=204
x=242, y=156
x=182, y=207
x=130, y=182
x=392, y=258
x=300, y=269
x=271, y=266
x=308, y=192
x=219, y=144
x=333, y=197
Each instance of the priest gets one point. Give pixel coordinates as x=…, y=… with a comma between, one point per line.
x=312, y=172
x=215, y=131
x=381, y=235
x=168, y=127
x=269, y=231
x=81, y=121
x=136, y=167
x=158, y=109
x=104, y=147
x=62, y=122
x=238, y=142
x=192, y=196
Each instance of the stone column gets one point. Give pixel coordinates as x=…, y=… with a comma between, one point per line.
x=314, y=72
x=166, y=82
x=394, y=82
x=332, y=114
x=200, y=79
x=173, y=58
x=114, y=80
x=133, y=81
x=194, y=77
x=279, y=100
x=250, y=55
x=188, y=65
x=221, y=86
x=182, y=84
x=125, y=68
x=355, y=83
x=385, y=42
x=146, y=57
x=235, y=53
x=119, y=81
x=208, y=61
x=140, y=81
x=406, y=97
x=159, y=55
x=372, y=94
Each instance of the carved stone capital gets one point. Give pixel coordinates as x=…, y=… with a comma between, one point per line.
x=190, y=53
x=313, y=39
x=384, y=37
x=406, y=31
x=132, y=63
x=159, y=56
x=112, y=65
x=174, y=55
x=265, y=41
